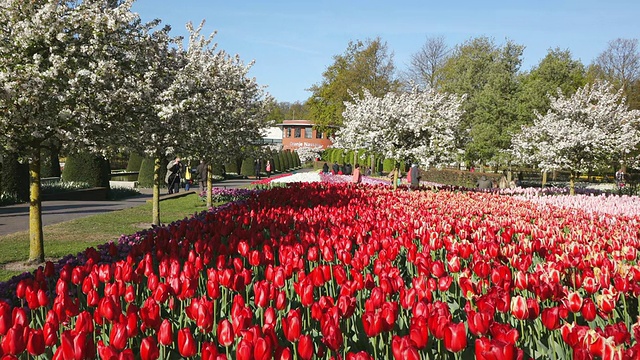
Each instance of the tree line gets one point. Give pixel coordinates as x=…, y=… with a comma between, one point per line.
x=500, y=98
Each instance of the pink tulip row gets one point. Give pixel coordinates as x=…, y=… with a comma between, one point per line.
x=601, y=204
x=341, y=271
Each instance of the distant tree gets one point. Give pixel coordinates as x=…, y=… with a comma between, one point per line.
x=556, y=71
x=426, y=65
x=620, y=65
x=418, y=125
x=488, y=75
x=580, y=132
x=364, y=65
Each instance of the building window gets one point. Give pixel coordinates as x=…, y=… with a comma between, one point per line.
x=288, y=132
x=308, y=133
x=296, y=132
x=318, y=134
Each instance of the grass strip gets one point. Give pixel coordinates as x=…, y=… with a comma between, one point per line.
x=74, y=236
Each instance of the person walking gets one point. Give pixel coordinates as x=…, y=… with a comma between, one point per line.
x=174, y=169
x=356, y=177
x=202, y=170
x=415, y=176
x=257, y=167
x=268, y=168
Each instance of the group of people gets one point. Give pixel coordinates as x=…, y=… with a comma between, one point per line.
x=179, y=174
x=346, y=169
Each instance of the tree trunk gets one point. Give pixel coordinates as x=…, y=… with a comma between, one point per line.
x=156, y=192
x=395, y=175
x=355, y=157
x=36, y=238
x=544, y=179
x=572, y=183
x=209, y=184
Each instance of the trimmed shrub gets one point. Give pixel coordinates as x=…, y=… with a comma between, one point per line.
x=387, y=165
x=135, y=161
x=145, y=174
x=276, y=162
x=86, y=167
x=283, y=161
x=232, y=167
x=326, y=155
x=296, y=159
x=216, y=169
x=50, y=163
x=248, y=168
x=15, y=178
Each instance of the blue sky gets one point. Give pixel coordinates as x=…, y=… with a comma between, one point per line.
x=293, y=42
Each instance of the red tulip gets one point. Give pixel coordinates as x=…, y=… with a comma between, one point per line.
x=478, y=322
x=305, y=347
x=551, y=318
x=209, y=351
x=574, y=302
x=13, y=343
x=83, y=346
x=50, y=333
x=291, y=325
x=165, y=333
x=35, y=342
x=455, y=337
x=588, y=309
x=519, y=308
x=5, y=317
x=186, y=343
x=262, y=349
x=118, y=336
x=244, y=351
x=419, y=332
x=106, y=352
x=149, y=349
x=225, y=333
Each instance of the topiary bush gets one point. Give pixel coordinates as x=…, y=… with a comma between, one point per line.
x=135, y=161
x=283, y=161
x=387, y=165
x=248, y=169
x=14, y=181
x=86, y=167
x=276, y=162
x=145, y=174
x=50, y=163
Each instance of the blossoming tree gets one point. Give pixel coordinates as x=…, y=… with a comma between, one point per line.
x=64, y=78
x=590, y=128
x=418, y=125
x=221, y=107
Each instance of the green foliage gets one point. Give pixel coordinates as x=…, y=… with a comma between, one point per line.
x=556, y=71
x=14, y=182
x=135, y=161
x=364, y=65
x=87, y=167
x=248, y=167
x=296, y=159
x=326, y=155
x=288, y=164
x=488, y=75
x=232, y=167
x=387, y=165
x=50, y=163
x=145, y=175
x=337, y=156
x=277, y=162
x=216, y=169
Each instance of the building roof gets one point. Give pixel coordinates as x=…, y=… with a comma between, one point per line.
x=272, y=132
x=295, y=122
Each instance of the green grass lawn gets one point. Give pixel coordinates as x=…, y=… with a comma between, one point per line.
x=74, y=236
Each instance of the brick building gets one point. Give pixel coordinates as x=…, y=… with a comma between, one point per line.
x=300, y=133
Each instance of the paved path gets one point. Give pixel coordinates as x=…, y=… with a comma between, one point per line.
x=15, y=218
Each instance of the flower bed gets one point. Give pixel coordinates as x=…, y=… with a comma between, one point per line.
x=220, y=194
x=359, y=272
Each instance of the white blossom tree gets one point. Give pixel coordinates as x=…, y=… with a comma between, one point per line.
x=590, y=128
x=65, y=78
x=222, y=108
x=308, y=153
x=416, y=125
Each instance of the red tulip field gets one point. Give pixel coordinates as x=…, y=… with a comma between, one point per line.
x=343, y=271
